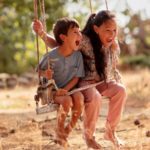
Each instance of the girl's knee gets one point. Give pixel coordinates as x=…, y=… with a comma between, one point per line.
x=122, y=91
x=91, y=94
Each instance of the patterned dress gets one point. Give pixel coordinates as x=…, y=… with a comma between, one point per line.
x=89, y=62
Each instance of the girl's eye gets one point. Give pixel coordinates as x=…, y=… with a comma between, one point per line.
x=77, y=32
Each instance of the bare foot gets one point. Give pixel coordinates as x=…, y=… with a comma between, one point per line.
x=67, y=130
x=61, y=139
x=111, y=136
x=61, y=142
x=91, y=143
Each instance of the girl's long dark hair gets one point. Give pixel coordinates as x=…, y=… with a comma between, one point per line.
x=100, y=58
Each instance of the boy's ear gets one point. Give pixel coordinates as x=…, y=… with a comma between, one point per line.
x=62, y=37
x=95, y=28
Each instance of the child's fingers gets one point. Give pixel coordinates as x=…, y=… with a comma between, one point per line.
x=49, y=74
x=61, y=92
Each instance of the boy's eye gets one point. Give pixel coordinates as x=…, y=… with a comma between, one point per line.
x=108, y=30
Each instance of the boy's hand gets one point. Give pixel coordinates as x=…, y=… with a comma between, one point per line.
x=38, y=27
x=61, y=92
x=49, y=74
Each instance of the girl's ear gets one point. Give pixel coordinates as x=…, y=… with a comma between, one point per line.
x=95, y=28
x=62, y=37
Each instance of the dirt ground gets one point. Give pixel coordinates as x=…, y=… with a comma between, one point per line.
x=22, y=129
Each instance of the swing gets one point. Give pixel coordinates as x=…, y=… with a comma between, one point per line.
x=47, y=88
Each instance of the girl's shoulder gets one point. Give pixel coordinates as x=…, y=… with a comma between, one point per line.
x=85, y=44
x=85, y=39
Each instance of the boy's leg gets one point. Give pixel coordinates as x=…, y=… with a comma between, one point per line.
x=65, y=105
x=78, y=102
x=117, y=94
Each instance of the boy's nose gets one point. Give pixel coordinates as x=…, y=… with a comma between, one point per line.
x=80, y=35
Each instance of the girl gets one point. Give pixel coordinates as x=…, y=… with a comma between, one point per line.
x=100, y=52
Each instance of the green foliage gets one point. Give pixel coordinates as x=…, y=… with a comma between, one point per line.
x=140, y=60
x=17, y=44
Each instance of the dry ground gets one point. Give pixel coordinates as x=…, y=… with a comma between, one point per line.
x=22, y=129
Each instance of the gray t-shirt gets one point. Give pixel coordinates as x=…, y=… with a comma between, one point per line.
x=65, y=68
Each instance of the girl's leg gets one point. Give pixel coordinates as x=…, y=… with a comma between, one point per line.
x=91, y=112
x=117, y=94
x=78, y=102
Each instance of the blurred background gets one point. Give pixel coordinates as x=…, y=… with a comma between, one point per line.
x=18, y=79
x=18, y=56
x=17, y=42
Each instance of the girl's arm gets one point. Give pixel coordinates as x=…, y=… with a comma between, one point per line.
x=48, y=39
x=39, y=29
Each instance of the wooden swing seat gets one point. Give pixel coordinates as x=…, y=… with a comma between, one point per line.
x=45, y=94
x=54, y=107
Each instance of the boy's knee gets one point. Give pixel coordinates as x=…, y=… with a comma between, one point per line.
x=67, y=102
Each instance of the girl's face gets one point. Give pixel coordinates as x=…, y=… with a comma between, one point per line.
x=107, y=32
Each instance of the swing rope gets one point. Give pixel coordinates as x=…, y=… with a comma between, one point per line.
x=37, y=39
x=106, y=4
x=42, y=10
x=91, y=6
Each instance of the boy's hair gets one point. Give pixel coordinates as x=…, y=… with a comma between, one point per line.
x=62, y=26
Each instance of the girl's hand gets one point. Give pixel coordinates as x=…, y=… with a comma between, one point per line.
x=115, y=46
x=38, y=27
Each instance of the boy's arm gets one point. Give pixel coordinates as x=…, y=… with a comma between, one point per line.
x=39, y=29
x=71, y=84
x=79, y=73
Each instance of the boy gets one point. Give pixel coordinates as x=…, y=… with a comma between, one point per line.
x=67, y=69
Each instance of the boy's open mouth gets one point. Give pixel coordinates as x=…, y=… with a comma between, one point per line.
x=109, y=40
x=77, y=43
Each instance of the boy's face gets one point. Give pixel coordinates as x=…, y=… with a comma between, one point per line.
x=107, y=32
x=73, y=38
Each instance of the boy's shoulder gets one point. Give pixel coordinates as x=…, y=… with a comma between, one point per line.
x=53, y=52
x=77, y=53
